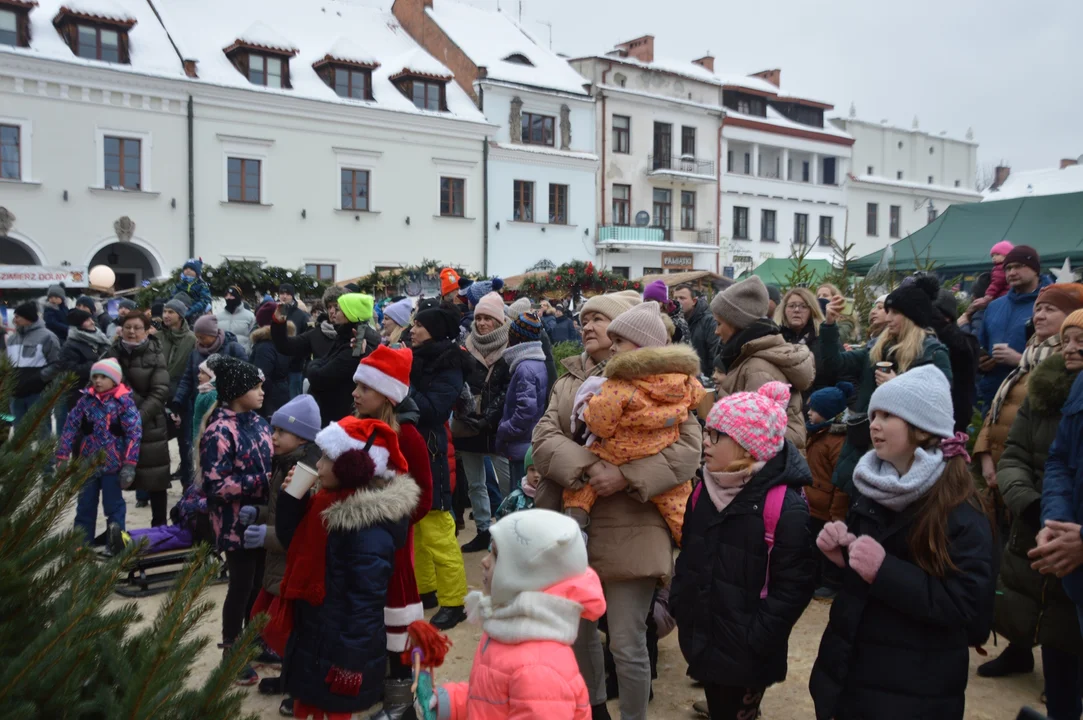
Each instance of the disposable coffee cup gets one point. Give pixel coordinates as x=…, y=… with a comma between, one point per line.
x=885, y=366
x=304, y=477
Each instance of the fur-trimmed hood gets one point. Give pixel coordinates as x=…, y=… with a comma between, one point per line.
x=392, y=503
x=1049, y=385
x=264, y=333
x=654, y=361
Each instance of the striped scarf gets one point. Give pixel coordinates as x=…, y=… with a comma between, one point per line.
x=1034, y=353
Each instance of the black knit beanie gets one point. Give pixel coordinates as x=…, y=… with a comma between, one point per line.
x=442, y=322
x=28, y=311
x=915, y=300
x=233, y=378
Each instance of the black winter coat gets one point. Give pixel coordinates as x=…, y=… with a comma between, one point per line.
x=56, y=320
x=275, y=367
x=146, y=374
x=899, y=649
x=728, y=635
x=491, y=385
x=550, y=364
x=809, y=338
x=300, y=320
x=563, y=330
x=436, y=379
x=77, y=356
x=330, y=377
x=701, y=326
x=347, y=630
x=963, y=353
x=188, y=386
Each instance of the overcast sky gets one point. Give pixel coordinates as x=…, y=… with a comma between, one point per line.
x=1012, y=70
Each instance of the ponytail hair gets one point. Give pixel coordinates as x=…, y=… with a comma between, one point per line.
x=197, y=469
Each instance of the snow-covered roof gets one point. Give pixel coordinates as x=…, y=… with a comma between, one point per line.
x=898, y=128
x=148, y=44
x=922, y=187
x=346, y=50
x=774, y=117
x=259, y=35
x=203, y=28
x=1029, y=183
x=490, y=37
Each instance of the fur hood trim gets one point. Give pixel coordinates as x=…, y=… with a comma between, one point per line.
x=264, y=333
x=1049, y=385
x=374, y=506
x=654, y=361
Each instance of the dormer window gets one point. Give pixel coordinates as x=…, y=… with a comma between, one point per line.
x=95, y=35
x=262, y=57
x=268, y=70
x=347, y=71
x=426, y=93
x=15, y=22
x=519, y=59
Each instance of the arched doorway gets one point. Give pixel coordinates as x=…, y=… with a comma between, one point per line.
x=131, y=263
x=15, y=252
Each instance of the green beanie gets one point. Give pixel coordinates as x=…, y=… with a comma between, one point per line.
x=357, y=307
x=528, y=459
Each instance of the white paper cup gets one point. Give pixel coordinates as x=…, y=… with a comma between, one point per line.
x=304, y=477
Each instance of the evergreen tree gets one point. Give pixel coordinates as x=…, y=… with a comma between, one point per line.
x=65, y=650
x=801, y=273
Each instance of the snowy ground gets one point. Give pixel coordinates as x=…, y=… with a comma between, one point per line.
x=673, y=692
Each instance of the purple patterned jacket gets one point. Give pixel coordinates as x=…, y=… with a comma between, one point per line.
x=235, y=460
x=108, y=423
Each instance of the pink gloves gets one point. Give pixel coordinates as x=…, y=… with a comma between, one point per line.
x=866, y=555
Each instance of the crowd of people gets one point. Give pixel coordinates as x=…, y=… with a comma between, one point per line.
x=330, y=456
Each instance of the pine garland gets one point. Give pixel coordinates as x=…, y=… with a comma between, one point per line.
x=575, y=279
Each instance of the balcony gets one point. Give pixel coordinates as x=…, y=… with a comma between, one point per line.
x=684, y=168
x=632, y=237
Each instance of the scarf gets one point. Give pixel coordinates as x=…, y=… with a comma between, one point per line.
x=213, y=347
x=813, y=428
x=804, y=336
x=131, y=347
x=232, y=304
x=328, y=329
x=730, y=352
x=487, y=348
x=532, y=615
x=879, y=481
x=722, y=487
x=529, y=490
x=97, y=340
x=524, y=351
x=206, y=387
x=306, y=567
x=1034, y=353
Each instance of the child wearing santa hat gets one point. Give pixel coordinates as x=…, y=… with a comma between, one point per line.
x=340, y=548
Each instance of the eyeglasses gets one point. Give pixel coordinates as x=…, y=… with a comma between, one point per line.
x=712, y=436
x=796, y=306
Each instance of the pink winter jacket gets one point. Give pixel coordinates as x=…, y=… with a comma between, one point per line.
x=524, y=666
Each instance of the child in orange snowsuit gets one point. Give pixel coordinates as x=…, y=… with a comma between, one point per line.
x=636, y=410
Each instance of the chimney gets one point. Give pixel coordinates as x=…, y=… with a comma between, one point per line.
x=190, y=68
x=1068, y=162
x=706, y=61
x=1000, y=176
x=642, y=48
x=772, y=76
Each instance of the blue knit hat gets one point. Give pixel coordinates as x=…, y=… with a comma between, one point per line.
x=481, y=288
x=300, y=416
x=830, y=401
x=525, y=328
x=195, y=265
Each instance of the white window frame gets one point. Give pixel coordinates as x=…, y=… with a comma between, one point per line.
x=458, y=169
x=245, y=148
x=146, y=149
x=26, y=133
x=354, y=159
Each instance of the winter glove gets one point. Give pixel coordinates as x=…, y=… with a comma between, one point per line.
x=127, y=476
x=344, y=682
x=247, y=515
x=255, y=536
x=832, y=539
x=866, y=557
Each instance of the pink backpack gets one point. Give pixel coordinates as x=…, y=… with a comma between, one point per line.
x=772, y=511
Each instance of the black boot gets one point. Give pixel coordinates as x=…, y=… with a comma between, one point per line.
x=448, y=617
x=599, y=712
x=397, y=700
x=1015, y=660
x=479, y=543
x=428, y=600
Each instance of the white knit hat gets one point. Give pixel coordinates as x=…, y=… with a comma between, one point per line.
x=921, y=396
x=534, y=550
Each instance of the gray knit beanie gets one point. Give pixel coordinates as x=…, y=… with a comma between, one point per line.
x=611, y=304
x=642, y=325
x=517, y=308
x=921, y=396
x=742, y=304
x=180, y=303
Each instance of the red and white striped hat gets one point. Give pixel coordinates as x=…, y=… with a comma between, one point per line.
x=387, y=372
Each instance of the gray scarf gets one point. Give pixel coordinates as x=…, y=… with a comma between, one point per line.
x=879, y=481
x=328, y=329
x=524, y=351
x=97, y=340
x=487, y=348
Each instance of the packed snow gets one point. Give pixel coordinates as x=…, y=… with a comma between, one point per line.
x=347, y=50
x=924, y=187
x=106, y=9
x=262, y=36
x=1030, y=183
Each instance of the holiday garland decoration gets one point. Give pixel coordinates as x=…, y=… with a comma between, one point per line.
x=405, y=280
x=574, y=279
x=252, y=277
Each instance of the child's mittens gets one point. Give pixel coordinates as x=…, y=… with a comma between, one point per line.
x=344, y=682
x=866, y=557
x=127, y=476
x=255, y=536
x=832, y=539
x=247, y=515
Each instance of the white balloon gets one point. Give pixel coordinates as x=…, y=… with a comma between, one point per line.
x=102, y=276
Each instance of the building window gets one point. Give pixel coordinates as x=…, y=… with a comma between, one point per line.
x=748, y=163
x=355, y=190
x=15, y=25
x=688, y=210
x=321, y=272
x=558, y=204
x=622, y=134
x=663, y=208
x=621, y=270
x=930, y=150
x=740, y=223
x=767, y=226
x=868, y=170
x=898, y=174
x=452, y=196
x=827, y=234
x=828, y=175
x=538, y=129
x=663, y=145
x=688, y=141
x=243, y=180
x=652, y=270
x=871, y=219
x=958, y=183
x=729, y=161
x=97, y=43
x=930, y=179
x=266, y=70
x=900, y=144
x=622, y=204
x=523, y=202
x=805, y=171
x=122, y=163
x=352, y=82
x=424, y=94
x=10, y=152
x=933, y=212
x=800, y=229
x=894, y=217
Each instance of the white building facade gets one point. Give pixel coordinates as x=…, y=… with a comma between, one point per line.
x=901, y=179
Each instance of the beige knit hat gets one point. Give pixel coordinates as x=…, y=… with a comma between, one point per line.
x=493, y=306
x=742, y=304
x=642, y=325
x=517, y=308
x=612, y=304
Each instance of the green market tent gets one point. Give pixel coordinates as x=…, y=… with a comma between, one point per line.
x=775, y=270
x=959, y=240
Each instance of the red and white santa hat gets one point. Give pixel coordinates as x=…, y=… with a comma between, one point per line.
x=387, y=372
x=363, y=436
